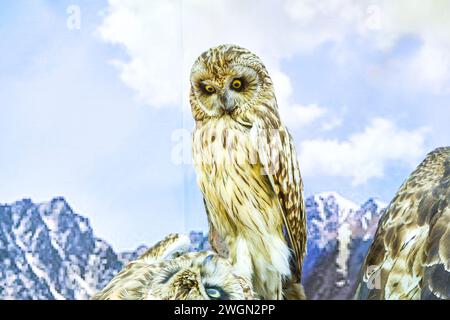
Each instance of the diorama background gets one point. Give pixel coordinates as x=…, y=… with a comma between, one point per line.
x=95, y=115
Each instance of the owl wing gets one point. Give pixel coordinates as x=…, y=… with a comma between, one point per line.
x=410, y=254
x=133, y=281
x=170, y=247
x=279, y=160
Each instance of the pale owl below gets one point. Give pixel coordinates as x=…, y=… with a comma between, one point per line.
x=248, y=172
x=168, y=272
x=410, y=255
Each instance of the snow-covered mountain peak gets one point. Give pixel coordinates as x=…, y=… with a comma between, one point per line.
x=339, y=233
x=373, y=204
x=335, y=199
x=47, y=251
x=55, y=206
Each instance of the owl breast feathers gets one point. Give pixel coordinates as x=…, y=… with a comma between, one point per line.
x=247, y=170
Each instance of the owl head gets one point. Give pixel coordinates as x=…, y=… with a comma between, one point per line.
x=168, y=272
x=228, y=80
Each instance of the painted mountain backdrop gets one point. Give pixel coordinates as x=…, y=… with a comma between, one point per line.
x=47, y=251
x=339, y=236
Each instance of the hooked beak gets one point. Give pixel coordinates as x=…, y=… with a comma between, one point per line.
x=226, y=102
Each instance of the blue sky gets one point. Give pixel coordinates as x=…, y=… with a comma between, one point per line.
x=95, y=114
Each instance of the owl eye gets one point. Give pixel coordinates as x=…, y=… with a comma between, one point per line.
x=213, y=293
x=209, y=89
x=237, y=84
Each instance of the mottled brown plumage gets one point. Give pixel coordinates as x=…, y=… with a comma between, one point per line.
x=410, y=255
x=168, y=272
x=247, y=170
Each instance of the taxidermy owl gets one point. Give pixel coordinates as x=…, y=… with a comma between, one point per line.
x=248, y=172
x=168, y=272
x=410, y=255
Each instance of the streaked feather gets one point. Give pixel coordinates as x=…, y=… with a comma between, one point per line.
x=410, y=255
x=247, y=170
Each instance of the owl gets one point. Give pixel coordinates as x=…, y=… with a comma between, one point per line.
x=248, y=172
x=410, y=255
x=168, y=272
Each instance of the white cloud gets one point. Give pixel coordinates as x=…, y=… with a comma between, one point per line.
x=430, y=68
x=300, y=116
x=363, y=155
x=163, y=37
x=150, y=33
x=332, y=123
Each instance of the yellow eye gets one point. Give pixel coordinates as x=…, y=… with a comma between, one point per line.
x=209, y=89
x=213, y=293
x=236, y=84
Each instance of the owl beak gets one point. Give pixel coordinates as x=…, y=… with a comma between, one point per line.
x=226, y=102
